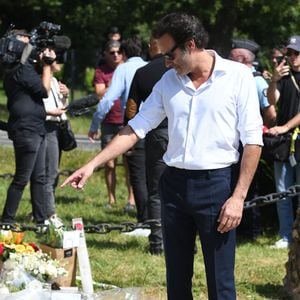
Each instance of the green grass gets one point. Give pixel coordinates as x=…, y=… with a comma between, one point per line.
x=123, y=261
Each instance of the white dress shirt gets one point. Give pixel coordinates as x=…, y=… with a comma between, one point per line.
x=205, y=124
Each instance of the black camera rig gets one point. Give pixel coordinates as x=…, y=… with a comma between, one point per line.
x=44, y=36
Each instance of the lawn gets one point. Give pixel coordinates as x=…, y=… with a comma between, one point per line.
x=123, y=261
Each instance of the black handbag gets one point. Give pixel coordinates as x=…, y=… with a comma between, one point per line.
x=276, y=147
x=66, y=137
x=280, y=147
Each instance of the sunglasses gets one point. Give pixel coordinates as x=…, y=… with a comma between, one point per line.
x=115, y=52
x=170, y=54
x=292, y=52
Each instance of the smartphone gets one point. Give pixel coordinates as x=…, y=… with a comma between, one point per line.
x=279, y=59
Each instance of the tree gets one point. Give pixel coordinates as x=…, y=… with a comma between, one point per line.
x=86, y=22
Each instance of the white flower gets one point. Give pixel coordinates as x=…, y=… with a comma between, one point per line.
x=38, y=264
x=10, y=264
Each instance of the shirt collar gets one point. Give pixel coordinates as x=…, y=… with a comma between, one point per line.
x=220, y=66
x=134, y=58
x=219, y=70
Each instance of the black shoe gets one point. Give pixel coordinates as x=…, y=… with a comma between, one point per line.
x=156, y=250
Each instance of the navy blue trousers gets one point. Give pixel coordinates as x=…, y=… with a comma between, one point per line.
x=191, y=203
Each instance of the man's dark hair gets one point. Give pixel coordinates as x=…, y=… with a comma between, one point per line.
x=182, y=28
x=132, y=47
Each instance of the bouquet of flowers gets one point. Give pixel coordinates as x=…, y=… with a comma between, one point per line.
x=24, y=265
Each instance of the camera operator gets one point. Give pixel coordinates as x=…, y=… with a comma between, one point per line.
x=25, y=89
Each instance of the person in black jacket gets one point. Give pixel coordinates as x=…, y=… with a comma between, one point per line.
x=156, y=140
x=25, y=89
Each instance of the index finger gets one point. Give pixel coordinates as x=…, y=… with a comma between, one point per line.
x=75, y=180
x=67, y=181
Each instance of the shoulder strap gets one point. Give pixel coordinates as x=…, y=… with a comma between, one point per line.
x=294, y=82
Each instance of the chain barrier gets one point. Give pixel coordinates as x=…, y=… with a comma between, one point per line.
x=259, y=201
x=101, y=228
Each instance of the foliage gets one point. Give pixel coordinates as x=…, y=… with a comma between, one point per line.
x=87, y=22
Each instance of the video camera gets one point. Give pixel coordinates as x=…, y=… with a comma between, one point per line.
x=41, y=37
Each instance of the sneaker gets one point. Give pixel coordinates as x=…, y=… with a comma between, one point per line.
x=139, y=232
x=56, y=221
x=281, y=244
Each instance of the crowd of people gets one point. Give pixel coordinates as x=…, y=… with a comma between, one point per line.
x=188, y=123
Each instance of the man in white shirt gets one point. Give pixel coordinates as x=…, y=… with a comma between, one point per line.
x=211, y=104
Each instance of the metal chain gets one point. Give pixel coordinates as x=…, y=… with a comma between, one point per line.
x=259, y=201
x=103, y=228
x=98, y=228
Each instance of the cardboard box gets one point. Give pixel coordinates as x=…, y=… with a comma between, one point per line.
x=68, y=258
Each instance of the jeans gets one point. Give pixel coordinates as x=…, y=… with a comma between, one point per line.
x=285, y=176
x=191, y=204
x=137, y=174
x=29, y=150
x=156, y=146
x=53, y=154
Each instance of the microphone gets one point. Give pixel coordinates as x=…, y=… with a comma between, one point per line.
x=79, y=106
x=61, y=42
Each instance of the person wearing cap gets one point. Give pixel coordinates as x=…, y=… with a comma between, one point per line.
x=245, y=51
x=284, y=92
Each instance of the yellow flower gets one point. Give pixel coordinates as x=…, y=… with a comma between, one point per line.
x=29, y=249
x=20, y=248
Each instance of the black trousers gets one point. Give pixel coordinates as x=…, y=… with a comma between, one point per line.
x=137, y=175
x=29, y=148
x=156, y=146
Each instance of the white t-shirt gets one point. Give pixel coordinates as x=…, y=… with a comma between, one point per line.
x=55, y=100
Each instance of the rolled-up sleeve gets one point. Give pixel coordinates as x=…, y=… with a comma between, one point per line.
x=150, y=115
x=250, y=120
